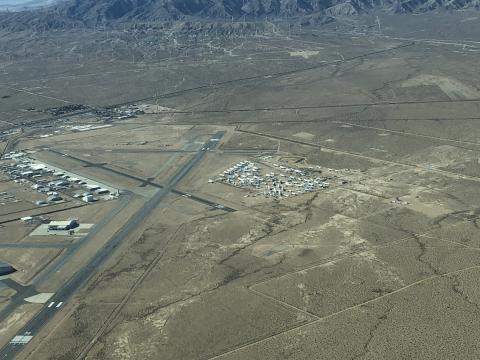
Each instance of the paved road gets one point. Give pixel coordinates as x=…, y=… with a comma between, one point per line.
x=222, y=82
x=35, y=211
x=16, y=344
x=25, y=245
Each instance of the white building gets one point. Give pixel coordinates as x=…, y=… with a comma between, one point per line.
x=88, y=198
x=63, y=225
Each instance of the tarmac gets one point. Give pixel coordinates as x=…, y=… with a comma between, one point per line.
x=57, y=301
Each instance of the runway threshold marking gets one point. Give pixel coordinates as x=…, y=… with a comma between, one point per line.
x=21, y=339
x=52, y=304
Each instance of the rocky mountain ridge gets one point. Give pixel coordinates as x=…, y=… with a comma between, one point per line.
x=94, y=12
x=108, y=10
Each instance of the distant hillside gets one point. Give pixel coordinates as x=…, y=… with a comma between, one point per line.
x=12, y=5
x=114, y=11
x=107, y=10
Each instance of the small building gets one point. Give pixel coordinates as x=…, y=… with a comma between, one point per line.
x=63, y=225
x=88, y=198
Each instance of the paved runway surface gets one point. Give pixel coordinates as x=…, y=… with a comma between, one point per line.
x=201, y=200
x=55, y=304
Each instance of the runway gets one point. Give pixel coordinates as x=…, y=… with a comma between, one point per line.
x=33, y=327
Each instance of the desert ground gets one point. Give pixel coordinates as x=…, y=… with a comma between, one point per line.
x=380, y=264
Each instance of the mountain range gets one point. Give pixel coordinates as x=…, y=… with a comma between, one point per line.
x=114, y=11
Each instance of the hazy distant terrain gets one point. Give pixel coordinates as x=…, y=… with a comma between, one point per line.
x=21, y=4
x=71, y=13
x=250, y=179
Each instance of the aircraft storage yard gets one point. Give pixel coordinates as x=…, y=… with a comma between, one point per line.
x=271, y=198
x=289, y=182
